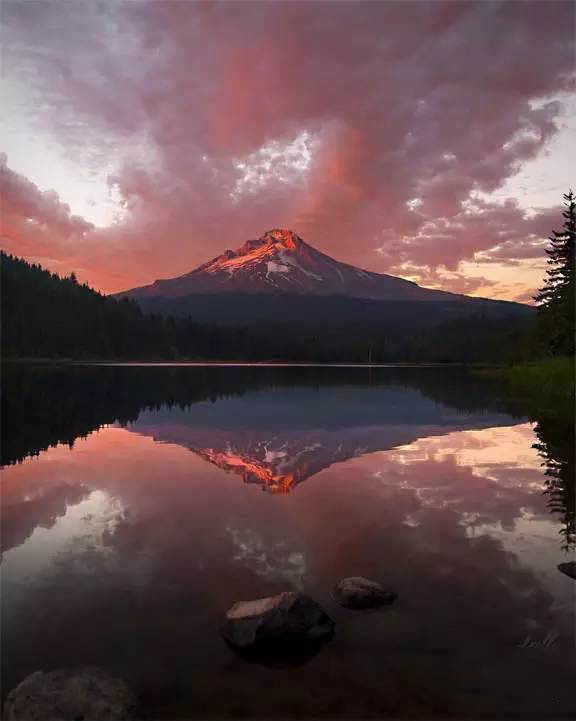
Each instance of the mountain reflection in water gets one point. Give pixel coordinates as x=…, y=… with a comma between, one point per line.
x=278, y=438
x=133, y=517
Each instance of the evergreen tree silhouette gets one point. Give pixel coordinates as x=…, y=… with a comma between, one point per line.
x=556, y=298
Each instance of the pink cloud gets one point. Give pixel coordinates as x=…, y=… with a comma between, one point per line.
x=432, y=101
x=484, y=231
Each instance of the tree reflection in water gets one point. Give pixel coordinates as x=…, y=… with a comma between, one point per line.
x=556, y=447
x=46, y=405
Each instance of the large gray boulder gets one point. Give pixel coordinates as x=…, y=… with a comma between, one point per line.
x=288, y=622
x=358, y=592
x=85, y=694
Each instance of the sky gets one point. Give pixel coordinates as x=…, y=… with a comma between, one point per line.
x=425, y=139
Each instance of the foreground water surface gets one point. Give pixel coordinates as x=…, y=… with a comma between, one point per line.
x=140, y=503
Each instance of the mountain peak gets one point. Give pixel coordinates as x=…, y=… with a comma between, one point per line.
x=277, y=239
x=287, y=238
x=281, y=262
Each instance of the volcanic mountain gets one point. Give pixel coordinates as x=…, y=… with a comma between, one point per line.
x=279, y=280
x=280, y=262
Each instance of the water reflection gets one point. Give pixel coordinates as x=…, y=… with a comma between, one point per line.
x=124, y=551
x=45, y=405
x=555, y=446
x=278, y=438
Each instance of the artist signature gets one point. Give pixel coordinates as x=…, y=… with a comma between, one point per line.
x=546, y=642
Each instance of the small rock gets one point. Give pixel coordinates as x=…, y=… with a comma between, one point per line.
x=85, y=694
x=288, y=622
x=569, y=568
x=358, y=592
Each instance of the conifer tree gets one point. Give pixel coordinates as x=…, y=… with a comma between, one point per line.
x=556, y=298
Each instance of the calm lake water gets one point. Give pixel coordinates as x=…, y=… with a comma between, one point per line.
x=140, y=503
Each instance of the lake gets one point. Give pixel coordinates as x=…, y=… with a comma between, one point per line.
x=139, y=503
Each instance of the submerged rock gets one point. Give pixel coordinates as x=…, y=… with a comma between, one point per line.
x=358, y=592
x=288, y=623
x=568, y=568
x=85, y=694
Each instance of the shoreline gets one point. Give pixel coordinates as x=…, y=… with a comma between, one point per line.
x=241, y=363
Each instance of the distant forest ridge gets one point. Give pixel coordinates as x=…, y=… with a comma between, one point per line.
x=46, y=316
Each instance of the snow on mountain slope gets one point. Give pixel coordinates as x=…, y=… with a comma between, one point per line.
x=280, y=262
x=280, y=461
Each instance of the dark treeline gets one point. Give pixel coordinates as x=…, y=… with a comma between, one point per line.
x=47, y=404
x=45, y=316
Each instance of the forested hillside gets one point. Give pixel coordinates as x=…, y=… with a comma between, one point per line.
x=45, y=316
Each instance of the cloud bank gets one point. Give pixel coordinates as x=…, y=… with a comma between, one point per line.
x=377, y=131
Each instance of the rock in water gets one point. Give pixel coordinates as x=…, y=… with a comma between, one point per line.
x=358, y=592
x=568, y=568
x=85, y=694
x=289, y=622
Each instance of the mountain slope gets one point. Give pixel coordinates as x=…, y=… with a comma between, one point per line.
x=280, y=262
x=288, y=290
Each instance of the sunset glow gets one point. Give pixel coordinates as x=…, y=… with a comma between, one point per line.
x=145, y=138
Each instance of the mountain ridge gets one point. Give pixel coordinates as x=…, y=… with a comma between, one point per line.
x=280, y=262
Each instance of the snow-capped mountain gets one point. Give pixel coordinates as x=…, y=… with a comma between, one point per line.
x=278, y=439
x=280, y=262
